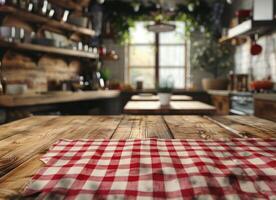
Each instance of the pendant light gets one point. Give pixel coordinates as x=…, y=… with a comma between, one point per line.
x=161, y=27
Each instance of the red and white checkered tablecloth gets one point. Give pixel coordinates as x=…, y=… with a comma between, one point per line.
x=157, y=169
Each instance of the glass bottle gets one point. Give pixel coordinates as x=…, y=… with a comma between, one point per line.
x=3, y=81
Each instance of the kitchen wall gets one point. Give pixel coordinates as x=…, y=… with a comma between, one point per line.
x=37, y=73
x=118, y=67
x=261, y=65
x=35, y=70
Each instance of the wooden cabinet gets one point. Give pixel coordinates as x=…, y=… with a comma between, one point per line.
x=222, y=104
x=265, y=109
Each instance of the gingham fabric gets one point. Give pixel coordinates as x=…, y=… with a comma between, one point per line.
x=157, y=169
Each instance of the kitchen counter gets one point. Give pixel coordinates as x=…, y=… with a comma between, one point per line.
x=268, y=97
x=226, y=92
x=219, y=92
x=55, y=97
x=24, y=141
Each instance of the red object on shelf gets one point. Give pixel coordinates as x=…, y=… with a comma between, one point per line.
x=261, y=85
x=243, y=13
x=102, y=51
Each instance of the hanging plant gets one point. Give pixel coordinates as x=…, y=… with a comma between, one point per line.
x=197, y=15
x=212, y=56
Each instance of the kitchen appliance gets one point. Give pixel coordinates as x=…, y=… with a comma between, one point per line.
x=242, y=103
x=238, y=82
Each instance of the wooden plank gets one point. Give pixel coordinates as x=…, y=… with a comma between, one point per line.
x=41, y=138
x=248, y=126
x=23, y=126
x=141, y=127
x=265, y=107
x=195, y=127
x=142, y=97
x=20, y=155
x=14, y=153
x=31, y=17
x=47, y=49
x=55, y=97
x=96, y=127
x=175, y=107
x=13, y=184
x=157, y=128
x=68, y=4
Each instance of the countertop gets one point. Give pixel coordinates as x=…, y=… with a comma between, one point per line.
x=24, y=141
x=55, y=97
x=262, y=96
x=268, y=97
x=219, y=92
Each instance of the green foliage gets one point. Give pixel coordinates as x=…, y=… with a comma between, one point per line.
x=208, y=53
x=196, y=15
x=166, y=86
x=212, y=56
x=105, y=74
x=164, y=90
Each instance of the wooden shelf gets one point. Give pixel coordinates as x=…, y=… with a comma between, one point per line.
x=67, y=4
x=47, y=49
x=35, y=18
x=248, y=28
x=109, y=58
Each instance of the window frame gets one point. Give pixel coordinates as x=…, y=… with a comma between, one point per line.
x=157, y=44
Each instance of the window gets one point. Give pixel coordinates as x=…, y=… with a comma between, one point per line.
x=156, y=58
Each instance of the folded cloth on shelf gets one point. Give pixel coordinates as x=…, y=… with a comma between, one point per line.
x=157, y=169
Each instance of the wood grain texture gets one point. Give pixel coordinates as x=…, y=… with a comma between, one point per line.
x=23, y=126
x=141, y=127
x=23, y=142
x=195, y=127
x=265, y=108
x=251, y=127
x=38, y=141
x=222, y=104
x=40, y=138
x=175, y=107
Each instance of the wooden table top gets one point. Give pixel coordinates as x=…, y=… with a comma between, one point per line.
x=175, y=107
x=24, y=141
x=143, y=97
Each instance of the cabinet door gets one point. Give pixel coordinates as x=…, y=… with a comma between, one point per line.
x=222, y=104
x=265, y=109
